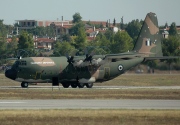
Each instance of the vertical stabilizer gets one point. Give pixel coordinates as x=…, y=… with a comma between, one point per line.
x=149, y=39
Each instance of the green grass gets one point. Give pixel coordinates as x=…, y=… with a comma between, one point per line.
x=123, y=80
x=89, y=94
x=90, y=117
x=145, y=80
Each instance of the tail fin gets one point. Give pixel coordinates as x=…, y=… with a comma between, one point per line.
x=149, y=40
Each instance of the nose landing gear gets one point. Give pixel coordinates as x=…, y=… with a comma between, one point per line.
x=24, y=84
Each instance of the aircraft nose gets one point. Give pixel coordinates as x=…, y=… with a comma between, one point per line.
x=11, y=73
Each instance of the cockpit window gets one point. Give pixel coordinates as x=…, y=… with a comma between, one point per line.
x=22, y=63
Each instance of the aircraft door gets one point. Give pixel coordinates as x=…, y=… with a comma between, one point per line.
x=106, y=72
x=38, y=75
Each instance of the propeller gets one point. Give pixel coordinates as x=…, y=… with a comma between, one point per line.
x=88, y=57
x=70, y=59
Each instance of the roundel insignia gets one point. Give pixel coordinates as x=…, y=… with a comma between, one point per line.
x=120, y=67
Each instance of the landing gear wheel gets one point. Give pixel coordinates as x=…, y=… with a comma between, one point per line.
x=89, y=85
x=24, y=85
x=81, y=85
x=74, y=85
x=65, y=85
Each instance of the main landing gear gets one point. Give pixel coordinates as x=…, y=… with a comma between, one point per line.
x=24, y=84
x=75, y=85
x=89, y=85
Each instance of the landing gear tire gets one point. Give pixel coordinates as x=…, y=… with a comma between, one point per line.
x=65, y=85
x=89, y=85
x=74, y=85
x=24, y=85
x=81, y=85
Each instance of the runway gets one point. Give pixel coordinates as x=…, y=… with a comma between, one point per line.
x=90, y=104
x=94, y=87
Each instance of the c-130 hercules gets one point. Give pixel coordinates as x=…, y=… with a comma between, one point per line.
x=80, y=71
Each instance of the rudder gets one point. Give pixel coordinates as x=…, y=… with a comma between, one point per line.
x=149, y=39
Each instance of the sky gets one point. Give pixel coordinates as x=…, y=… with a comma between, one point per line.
x=94, y=10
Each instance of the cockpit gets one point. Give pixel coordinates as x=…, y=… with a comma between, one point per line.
x=12, y=73
x=22, y=63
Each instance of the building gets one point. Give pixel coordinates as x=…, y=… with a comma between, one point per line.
x=165, y=34
x=165, y=31
x=29, y=24
x=103, y=23
x=44, y=43
x=61, y=27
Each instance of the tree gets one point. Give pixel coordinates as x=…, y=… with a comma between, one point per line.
x=166, y=25
x=74, y=30
x=39, y=31
x=3, y=30
x=3, y=47
x=26, y=42
x=133, y=28
x=3, y=33
x=3, y=55
x=109, y=34
x=101, y=45
x=81, y=38
x=101, y=26
x=78, y=31
x=102, y=40
x=107, y=24
x=170, y=47
x=12, y=46
x=114, y=22
x=66, y=38
x=63, y=48
x=122, y=42
x=5, y=50
x=172, y=29
x=43, y=31
x=77, y=18
x=122, y=24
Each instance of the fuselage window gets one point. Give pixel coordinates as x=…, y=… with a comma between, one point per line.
x=113, y=60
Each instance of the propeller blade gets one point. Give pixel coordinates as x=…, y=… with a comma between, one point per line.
x=88, y=57
x=69, y=59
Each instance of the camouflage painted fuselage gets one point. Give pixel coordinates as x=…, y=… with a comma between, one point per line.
x=43, y=69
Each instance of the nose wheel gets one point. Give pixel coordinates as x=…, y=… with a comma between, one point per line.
x=24, y=84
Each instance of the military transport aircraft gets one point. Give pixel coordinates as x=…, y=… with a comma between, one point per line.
x=80, y=71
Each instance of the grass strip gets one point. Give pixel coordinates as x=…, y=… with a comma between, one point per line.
x=90, y=94
x=90, y=117
x=123, y=80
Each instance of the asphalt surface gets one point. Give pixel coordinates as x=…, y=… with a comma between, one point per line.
x=94, y=87
x=90, y=104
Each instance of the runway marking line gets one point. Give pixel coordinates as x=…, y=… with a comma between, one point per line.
x=11, y=102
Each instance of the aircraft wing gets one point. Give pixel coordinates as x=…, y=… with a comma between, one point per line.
x=80, y=61
x=122, y=56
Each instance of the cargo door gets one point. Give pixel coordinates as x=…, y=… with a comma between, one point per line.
x=106, y=72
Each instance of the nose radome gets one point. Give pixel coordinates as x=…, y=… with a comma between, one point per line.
x=11, y=73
